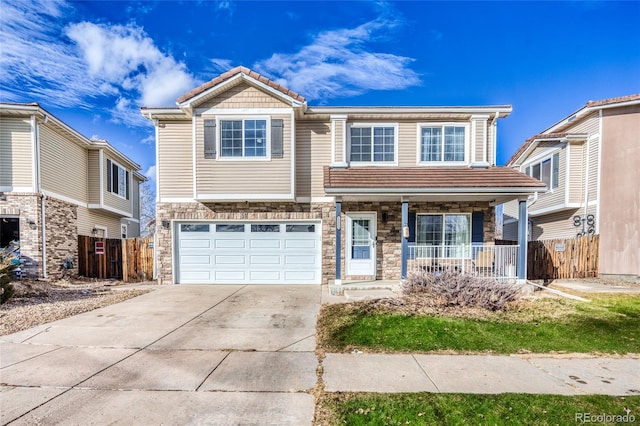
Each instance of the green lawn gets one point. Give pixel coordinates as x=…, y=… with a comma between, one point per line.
x=607, y=324
x=457, y=409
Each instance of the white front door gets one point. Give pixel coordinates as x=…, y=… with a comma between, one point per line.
x=361, y=244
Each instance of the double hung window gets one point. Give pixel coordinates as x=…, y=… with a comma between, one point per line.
x=243, y=138
x=444, y=235
x=547, y=171
x=117, y=179
x=442, y=143
x=373, y=144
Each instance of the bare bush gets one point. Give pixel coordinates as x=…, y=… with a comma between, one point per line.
x=455, y=289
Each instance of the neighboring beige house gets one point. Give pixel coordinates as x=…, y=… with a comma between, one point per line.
x=588, y=161
x=255, y=186
x=56, y=184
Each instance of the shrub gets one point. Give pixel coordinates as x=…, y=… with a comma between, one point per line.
x=456, y=289
x=7, y=268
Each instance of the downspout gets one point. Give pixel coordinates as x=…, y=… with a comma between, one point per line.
x=41, y=194
x=494, y=123
x=586, y=178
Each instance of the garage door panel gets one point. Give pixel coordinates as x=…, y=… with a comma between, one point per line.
x=265, y=260
x=195, y=243
x=300, y=276
x=249, y=253
x=306, y=243
x=300, y=260
x=270, y=243
x=275, y=276
x=194, y=276
x=230, y=260
x=222, y=244
x=228, y=276
x=195, y=260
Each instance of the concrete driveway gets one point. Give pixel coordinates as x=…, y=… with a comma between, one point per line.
x=177, y=355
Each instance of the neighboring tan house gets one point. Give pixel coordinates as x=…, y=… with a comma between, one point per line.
x=589, y=162
x=251, y=181
x=56, y=184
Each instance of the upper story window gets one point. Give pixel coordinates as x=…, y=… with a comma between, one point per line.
x=547, y=171
x=373, y=143
x=442, y=143
x=243, y=138
x=117, y=179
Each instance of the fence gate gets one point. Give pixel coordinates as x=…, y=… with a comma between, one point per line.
x=130, y=260
x=554, y=259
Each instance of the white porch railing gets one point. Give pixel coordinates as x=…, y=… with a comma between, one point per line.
x=492, y=261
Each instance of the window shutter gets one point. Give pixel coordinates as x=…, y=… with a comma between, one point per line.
x=556, y=170
x=412, y=228
x=209, y=138
x=477, y=228
x=127, y=177
x=277, y=143
x=109, y=171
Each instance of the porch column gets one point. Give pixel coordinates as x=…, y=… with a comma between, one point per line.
x=338, y=281
x=404, y=250
x=522, y=239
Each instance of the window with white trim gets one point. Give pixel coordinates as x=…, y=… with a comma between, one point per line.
x=373, y=144
x=117, y=179
x=443, y=143
x=449, y=234
x=245, y=138
x=547, y=171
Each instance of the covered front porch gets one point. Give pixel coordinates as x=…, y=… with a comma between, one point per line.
x=387, y=232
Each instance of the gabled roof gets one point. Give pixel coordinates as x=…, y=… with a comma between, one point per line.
x=242, y=71
x=612, y=101
x=33, y=108
x=428, y=180
x=531, y=140
x=552, y=132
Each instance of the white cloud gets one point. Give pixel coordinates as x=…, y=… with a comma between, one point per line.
x=111, y=63
x=221, y=65
x=125, y=56
x=35, y=65
x=151, y=173
x=339, y=63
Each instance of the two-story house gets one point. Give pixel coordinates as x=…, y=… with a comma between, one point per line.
x=56, y=184
x=588, y=161
x=255, y=186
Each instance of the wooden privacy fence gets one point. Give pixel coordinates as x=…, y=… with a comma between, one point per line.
x=553, y=259
x=130, y=260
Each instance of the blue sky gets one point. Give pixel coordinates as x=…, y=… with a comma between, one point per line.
x=93, y=64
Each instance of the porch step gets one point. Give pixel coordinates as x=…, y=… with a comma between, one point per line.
x=368, y=294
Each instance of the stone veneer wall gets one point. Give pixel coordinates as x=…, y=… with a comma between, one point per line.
x=26, y=206
x=243, y=211
x=388, y=249
x=62, y=236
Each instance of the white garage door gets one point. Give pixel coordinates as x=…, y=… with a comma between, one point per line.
x=251, y=253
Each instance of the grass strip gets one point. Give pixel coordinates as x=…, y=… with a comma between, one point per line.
x=474, y=409
x=609, y=324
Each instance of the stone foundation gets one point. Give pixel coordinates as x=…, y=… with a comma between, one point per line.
x=388, y=249
x=26, y=206
x=62, y=236
x=61, y=232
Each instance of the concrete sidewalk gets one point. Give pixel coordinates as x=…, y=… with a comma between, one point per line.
x=485, y=374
